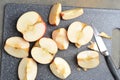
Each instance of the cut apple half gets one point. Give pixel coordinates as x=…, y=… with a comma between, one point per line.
x=31, y=25
x=42, y=56
x=72, y=13
x=60, y=68
x=17, y=47
x=27, y=69
x=45, y=51
x=60, y=37
x=79, y=33
x=48, y=44
x=54, y=15
x=88, y=59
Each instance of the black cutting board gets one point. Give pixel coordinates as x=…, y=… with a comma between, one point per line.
x=103, y=19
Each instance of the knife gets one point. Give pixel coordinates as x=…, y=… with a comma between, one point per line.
x=103, y=50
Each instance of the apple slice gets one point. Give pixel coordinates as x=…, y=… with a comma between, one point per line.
x=42, y=56
x=27, y=69
x=60, y=37
x=17, y=47
x=45, y=51
x=93, y=46
x=31, y=25
x=60, y=68
x=48, y=44
x=88, y=59
x=54, y=16
x=79, y=33
x=104, y=35
x=71, y=14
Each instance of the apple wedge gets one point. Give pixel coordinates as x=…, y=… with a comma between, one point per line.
x=72, y=13
x=104, y=35
x=88, y=59
x=60, y=68
x=54, y=16
x=17, y=47
x=31, y=25
x=93, y=46
x=60, y=37
x=79, y=33
x=45, y=51
x=27, y=69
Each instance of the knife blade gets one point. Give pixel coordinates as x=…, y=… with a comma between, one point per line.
x=103, y=50
x=100, y=43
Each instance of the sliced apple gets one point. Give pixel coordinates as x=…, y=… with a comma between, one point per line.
x=42, y=56
x=88, y=59
x=72, y=13
x=79, y=33
x=17, y=47
x=45, y=51
x=93, y=46
x=27, y=69
x=60, y=37
x=54, y=16
x=31, y=25
x=48, y=44
x=104, y=35
x=60, y=68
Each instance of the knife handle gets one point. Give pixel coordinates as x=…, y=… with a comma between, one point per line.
x=112, y=67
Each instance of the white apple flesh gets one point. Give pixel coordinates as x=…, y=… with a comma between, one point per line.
x=72, y=13
x=48, y=44
x=17, y=47
x=27, y=69
x=88, y=59
x=41, y=56
x=60, y=68
x=60, y=37
x=45, y=51
x=79, y=33
x=31, y=25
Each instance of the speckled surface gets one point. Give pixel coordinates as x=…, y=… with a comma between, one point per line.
x=103, y=20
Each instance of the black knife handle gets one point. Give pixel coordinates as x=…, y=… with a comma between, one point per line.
x=112, y=67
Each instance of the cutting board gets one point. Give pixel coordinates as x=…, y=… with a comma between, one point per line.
x=103, y=19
